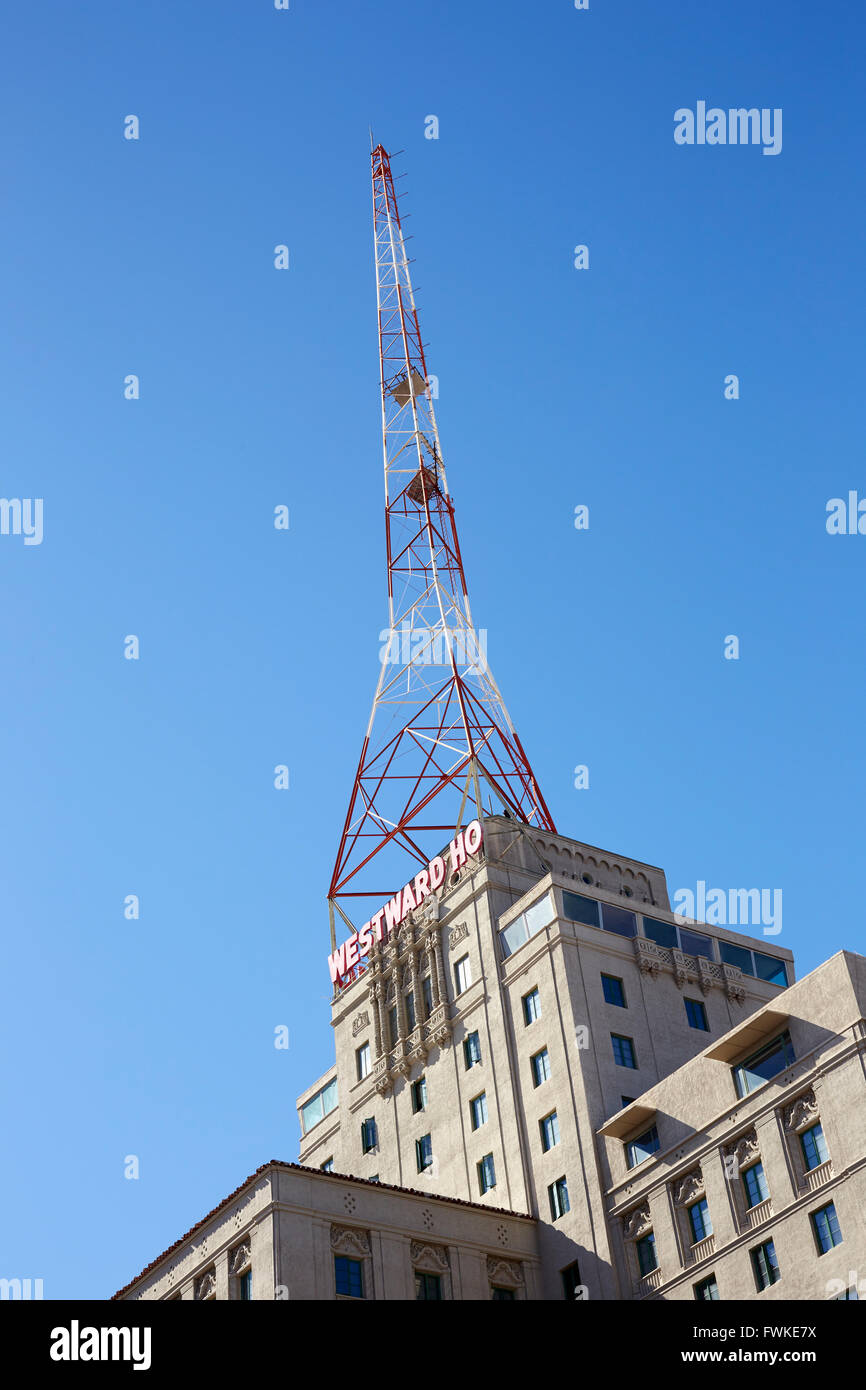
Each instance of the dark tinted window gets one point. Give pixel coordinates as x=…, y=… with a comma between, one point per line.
x=578, y=909
x=662, y=933
x=616, y=919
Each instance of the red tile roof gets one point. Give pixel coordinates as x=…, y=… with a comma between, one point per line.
x=319, y=1173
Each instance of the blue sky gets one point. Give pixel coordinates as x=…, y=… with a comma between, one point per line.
x=558, y=387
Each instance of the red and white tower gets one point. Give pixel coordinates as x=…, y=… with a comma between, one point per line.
x=439, y=737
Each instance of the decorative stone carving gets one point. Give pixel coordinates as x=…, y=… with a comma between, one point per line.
x=502, y=1233
x=348, y=1240
x=240, y=1258
x=507, y=1272
x=361, y=1022
x=651, y=958
x=637, y=1223
x=708, y=974
x=689, y=1188
x=802, y=1112
x=427, y=1219
x=205, y=1286
x=431, y=1259
x=428, y=912
x=744, y=1150
x=458, y=934
x=733, y=988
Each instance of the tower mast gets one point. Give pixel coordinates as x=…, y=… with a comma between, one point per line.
x=439, y=736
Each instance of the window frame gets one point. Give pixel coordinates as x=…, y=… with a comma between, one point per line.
x=362, y=1056
x=534, y=1062
x=557, y=1195
x=462, y=967
x=621, y=1038
x=703, y=1026
x=480, y=1099
x=620, y=1003
x=550, y=1119
x=483, y=1185
x=534, y=995
x=424, y=1152
x=347, y=1261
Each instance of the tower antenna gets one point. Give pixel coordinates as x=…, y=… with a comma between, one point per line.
x=438, y=731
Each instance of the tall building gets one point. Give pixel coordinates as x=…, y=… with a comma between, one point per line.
x=546, y=1084
x=546, y=1087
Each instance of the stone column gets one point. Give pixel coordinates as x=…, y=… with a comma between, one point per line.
x=440, y=967
x=376, y=1001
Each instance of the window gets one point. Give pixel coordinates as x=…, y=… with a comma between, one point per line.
x=472, y=1051
x=424, y=1152
x=486, y=1174
x=613, y=991
x=849, y=1295
x=769, y=968
x=362, y=1061
x=328, y=1165
x=549, y=1127
x=647, y=1260
x=627, y=1100
x=498, y=1292
x=697, y=1015
x=319, y=1105
x=636, y=1150
x=410, y=1011
x=540, y=1064
x=419, y=1095
x=594, y=914
x=349, y=1277
x=558, y=1194
x=765, y=1265
x=369, y=1138
x=531, y=1006
x=245, y=1285
x=392, y=1025
x=707, y=1290
x=755, y=1185
x=578, y=909
x=428, y=1285
x=571, y=1285
x=478, y=1111
x=462, y=975
x=374, y=1177
x=512, y=937
x=764, y=1064
x=825, y=1224
x=814, y=1147
x=670, y=936
x=617, y=920
x=623, y=1051
x=427, y=992
x=699, y=1220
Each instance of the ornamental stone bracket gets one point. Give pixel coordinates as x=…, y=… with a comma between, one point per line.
x=802, y=1112
x=651, y=958
x=685, y=971
x=361, y=1021
x=733, y=976
x=458, y=934
x=240, y=1258
x=205, y=1287
x=708, y=974
x=637, y=1223
x=690, y=1188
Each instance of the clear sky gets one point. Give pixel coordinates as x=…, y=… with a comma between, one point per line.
x=259, y=387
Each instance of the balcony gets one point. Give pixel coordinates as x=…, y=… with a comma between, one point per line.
x=816, y=1177
x=702, y=1250
x=648, y=1283
x=756, y=1216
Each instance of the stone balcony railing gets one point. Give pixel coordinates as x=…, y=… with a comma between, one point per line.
x=648, y=1283
x=701, y=1250
x=411, y=1049
x=689, y=970
x=757, y=1215
x=816, y=1177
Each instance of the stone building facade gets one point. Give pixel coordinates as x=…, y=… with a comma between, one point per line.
x=543, y=1048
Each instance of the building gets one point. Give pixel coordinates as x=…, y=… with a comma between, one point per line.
x=547, y=1086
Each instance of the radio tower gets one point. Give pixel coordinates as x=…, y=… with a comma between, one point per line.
x=439, y=736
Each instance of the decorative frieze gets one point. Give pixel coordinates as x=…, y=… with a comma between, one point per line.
x=349, y=1240
x=458, y=934
x=707, y=974
x=361, y=1021
x=430, y=1259
x=743, y=1150
x=802, y=1112
x=508, y=1273
x=690, y=1188
x=205, y=1285
x=240, y=1258
x=637, y=1223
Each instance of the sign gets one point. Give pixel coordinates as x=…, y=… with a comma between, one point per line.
x=388, y=918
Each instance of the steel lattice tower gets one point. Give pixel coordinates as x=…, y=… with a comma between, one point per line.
x=439, y=735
